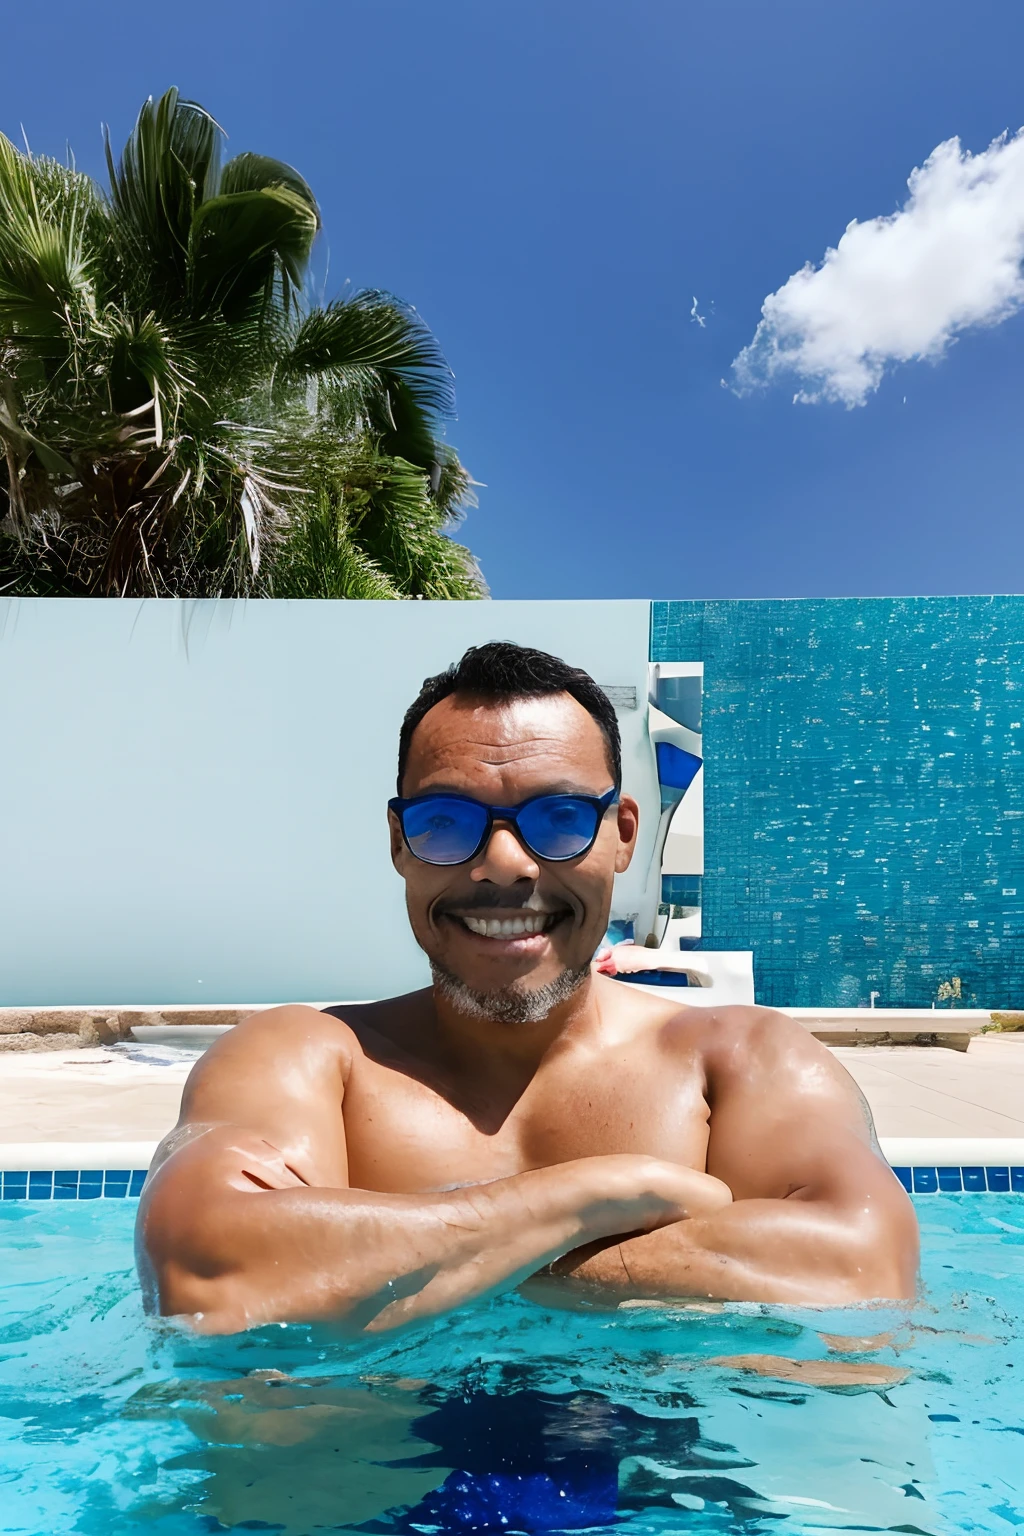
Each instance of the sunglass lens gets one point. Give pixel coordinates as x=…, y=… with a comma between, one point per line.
x=558, y=826
x=442, y=830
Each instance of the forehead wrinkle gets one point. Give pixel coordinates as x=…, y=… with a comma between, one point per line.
x=497, y=753
x=468, y=739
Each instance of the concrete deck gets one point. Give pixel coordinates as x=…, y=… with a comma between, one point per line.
x=86, y=1095
x=91, y=1095
x=915, y=1091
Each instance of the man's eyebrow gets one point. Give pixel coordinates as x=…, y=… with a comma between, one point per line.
x=554, y=787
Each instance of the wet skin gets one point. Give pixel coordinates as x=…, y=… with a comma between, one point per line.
x=400, y=1160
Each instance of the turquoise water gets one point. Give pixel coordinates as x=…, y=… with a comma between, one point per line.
x=508, y=1415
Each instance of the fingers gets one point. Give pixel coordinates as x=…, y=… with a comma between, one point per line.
x=601, y=961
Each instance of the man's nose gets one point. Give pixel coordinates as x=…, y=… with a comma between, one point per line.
x=503, y=859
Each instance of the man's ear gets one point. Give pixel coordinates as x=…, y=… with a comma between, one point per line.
x=629, y=826
x=397, y=840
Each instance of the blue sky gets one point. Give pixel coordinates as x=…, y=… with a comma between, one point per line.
x=551, y=182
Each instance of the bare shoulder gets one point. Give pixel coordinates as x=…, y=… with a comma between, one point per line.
x=735, y=1038
x=744, y=1031
x=293, y=1046
x=287, y=1029
x=744, y=1044
x=727, y=1033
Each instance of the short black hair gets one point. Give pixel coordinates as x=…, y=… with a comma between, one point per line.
x=502, y=671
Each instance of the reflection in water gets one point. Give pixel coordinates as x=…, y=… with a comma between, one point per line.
x=396, y=1456
x=293, y=1454
x=539, y=1461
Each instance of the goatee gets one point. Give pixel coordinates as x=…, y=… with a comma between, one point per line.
x=517, y=1004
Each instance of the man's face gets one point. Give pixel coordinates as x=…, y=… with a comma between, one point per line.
x=502, y=755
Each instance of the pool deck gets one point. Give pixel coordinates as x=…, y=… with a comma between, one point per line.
x=93, y=1095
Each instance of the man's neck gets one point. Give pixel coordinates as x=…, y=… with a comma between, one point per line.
x=520, y=1047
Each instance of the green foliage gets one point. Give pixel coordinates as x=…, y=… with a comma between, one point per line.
x=1006, y=1023
x=176, y=419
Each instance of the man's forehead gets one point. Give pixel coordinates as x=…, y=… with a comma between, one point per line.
x=546, y=735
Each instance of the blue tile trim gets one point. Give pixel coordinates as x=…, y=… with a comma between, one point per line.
x=72, y=1184
x=970, y=1180
x=126, y=1183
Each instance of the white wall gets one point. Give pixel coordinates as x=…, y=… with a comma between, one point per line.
x=192, y=794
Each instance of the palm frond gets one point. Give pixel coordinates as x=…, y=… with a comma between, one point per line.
x=142, y=367
x=321, y=559
x=393, y=518
x=374, y=332
x=255, y=173
x=453, y=488
x=242, y=240
x=46, y=263
x=403, y=429
x=168, y=166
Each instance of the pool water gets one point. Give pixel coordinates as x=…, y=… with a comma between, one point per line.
x=510, y=1416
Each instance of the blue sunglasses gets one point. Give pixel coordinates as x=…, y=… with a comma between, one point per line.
x=452, y=829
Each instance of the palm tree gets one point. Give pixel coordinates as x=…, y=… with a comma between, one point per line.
x=177, y=420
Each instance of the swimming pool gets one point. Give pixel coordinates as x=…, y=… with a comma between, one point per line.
x=508, y=1415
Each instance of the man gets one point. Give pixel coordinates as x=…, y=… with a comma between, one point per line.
x=385, y=1162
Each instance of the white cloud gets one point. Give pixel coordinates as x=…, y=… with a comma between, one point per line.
x=901, y=286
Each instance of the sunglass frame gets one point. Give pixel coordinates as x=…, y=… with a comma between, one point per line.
x=505, y=813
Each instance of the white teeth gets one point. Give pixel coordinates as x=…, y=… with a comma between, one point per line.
x=508, y=927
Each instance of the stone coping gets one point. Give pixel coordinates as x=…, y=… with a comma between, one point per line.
x=953, y=1028
x=61, y=1155
x=969, y=1017
x=60, y=1027
x=64, y=1028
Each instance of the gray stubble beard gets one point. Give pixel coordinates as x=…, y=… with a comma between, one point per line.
x=516, y=1004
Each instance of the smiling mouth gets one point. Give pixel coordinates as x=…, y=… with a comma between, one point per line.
x=522, y=925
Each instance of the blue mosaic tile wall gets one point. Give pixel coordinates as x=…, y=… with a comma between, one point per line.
x=864, y=793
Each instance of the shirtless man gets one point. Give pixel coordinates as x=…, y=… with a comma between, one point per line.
x=384, y=1162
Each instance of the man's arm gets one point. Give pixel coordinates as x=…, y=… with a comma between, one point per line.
x=817, y=1217
x=248, y=1217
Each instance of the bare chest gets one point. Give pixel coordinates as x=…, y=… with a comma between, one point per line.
x=406, y=1135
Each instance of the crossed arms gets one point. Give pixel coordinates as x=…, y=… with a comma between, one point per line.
x=248, y=1217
